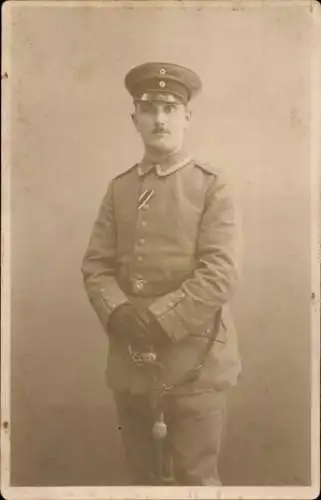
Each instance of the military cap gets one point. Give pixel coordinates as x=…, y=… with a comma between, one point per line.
x=162, y=81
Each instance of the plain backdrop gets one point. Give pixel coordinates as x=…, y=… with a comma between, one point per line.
x=70, y=134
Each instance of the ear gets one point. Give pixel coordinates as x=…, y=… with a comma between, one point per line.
x=188, y=116
x=134, y=119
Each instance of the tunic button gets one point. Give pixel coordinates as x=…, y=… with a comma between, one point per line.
x=139, y=284
x=140, y=258
x=144, y=223
x=142, y=241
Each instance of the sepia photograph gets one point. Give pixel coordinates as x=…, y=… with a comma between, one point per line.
x=160, y=312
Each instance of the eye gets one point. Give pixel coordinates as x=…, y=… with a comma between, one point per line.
x=145, y=107
x=170, y=108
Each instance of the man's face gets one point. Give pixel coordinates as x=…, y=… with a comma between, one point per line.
x=161, y=124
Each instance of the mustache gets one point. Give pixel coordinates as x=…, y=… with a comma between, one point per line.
x=159, y=129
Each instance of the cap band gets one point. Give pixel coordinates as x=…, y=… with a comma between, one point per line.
x=162, y=87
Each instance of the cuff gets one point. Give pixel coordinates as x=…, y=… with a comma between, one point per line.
x=163, y=310
x=105, y=302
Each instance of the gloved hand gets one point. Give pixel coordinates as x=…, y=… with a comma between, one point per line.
x=156, y=334
x=124, y=321
x=136, y=325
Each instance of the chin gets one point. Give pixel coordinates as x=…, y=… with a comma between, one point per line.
x=161, y=146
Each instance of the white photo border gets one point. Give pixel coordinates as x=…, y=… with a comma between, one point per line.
x=164, y=492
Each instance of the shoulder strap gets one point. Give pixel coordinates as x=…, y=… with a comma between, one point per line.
x=126, y=171
x=207, y=167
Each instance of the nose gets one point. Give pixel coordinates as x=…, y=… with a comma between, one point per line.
x=159, y=116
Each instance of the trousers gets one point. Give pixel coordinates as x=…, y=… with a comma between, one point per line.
x=196, y=426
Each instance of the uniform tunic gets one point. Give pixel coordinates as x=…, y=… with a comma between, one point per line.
x=167, y=238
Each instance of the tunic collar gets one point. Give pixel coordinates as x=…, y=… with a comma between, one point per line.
x=165, y=167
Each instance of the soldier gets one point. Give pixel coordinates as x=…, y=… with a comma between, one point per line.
x=161, y=267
